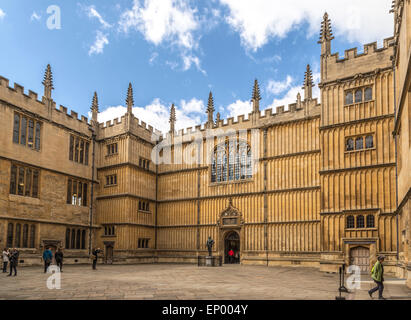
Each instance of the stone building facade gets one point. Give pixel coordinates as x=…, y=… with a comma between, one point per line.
x=318, y=184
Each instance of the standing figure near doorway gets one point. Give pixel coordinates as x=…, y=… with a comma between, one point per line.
x=47, y=257
x=231, y=256
x=58, y=256
x=209, y=244
x=95, y=253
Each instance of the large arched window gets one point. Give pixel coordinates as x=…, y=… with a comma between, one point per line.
x=231, y=161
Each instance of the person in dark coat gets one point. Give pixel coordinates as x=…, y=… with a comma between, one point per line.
x=5, y=259
x=13, y=260
x=95, y=253
x=47, y=257
x=58, y=256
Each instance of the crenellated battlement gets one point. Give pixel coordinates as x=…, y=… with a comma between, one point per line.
x=295, y=111
x=370, y=59
x=30, y=102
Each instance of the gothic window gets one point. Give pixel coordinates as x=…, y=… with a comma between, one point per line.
x=26, y=131
x=350, y=222
x=359, y=143
x=37, y=137
x=17, y=243
x=368, y=94
x=349, y=145
x=360, y=221
x=83, y=239
x=358, y=96
x=23, y=130
x=76, y=193
x=369, y=142
x=143, y=243
x=349, y=98
x=24, y=181
x=111, y=180
x=79, y=150
x=109, y=230
x=78, y=239
x=25, y=235
x=112, y=149
x=10, y=233
x=73, y=239
x=370, y=221
x=16, y=129
x=30, y=138
x=67, y=238
x=232, y=161
x=32, y=236
x=71, y=148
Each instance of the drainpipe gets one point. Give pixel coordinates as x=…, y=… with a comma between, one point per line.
x=91, y=193
x=396, y=164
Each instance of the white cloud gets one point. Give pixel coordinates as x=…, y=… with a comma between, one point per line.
x=258, y=21
x=93, y=13
x=35, y=16
x=153, y=57
x=162, y=20
x=100, y=42
x=2, y=14
x=190, y=60
x=170, y=22
x=276, y=87
x=239, y=108
x=157, y=114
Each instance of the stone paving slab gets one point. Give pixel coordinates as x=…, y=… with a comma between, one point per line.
x=188, y=282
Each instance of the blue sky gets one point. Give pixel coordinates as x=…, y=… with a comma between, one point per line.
x=176, y=51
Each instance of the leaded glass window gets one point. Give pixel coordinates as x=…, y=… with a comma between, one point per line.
x=231, y=161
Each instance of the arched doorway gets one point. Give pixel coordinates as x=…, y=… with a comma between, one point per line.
x=232, y=242
x=360, y=256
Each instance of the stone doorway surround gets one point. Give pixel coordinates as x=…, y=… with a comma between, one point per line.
x=369, y=243
x=230, y=220
x=108, y=252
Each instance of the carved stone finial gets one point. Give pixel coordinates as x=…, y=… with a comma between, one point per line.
x=130, y=99
x=94, y=107
x=172, y=118
x=256, y=96
x=210, y=109
x=48, y=82
x=298, y=99
x=326, y=35
x=218, y=118
x=308, y=84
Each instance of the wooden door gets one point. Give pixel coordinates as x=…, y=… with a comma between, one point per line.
x=360, y=256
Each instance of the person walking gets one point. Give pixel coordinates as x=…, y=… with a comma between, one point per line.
x=13, y=260
x=58, y=256
x=47, y=257
x=231, y=256
x=95, y=253
x=5, y=259
x=377, y=274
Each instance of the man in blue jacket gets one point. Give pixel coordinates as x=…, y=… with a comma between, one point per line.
x=47, y=257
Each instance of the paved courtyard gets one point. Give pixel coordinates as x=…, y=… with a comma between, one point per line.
x=165, y=281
